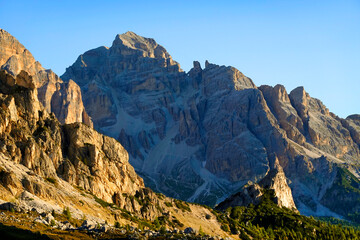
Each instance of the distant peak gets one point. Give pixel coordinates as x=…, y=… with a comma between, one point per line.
x=5, y=35
x=132, y=40
x=130, y=33
x=196, y=65
x=2, y=31
x=130, y=43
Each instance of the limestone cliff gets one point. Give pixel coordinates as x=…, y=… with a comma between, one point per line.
x=252, y=193
x=64, y=99
x=202, y=135
x=77, y=153
x=46, y=167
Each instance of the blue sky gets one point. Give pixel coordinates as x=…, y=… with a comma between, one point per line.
x=315, y=44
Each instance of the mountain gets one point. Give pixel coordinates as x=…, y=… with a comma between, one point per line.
x=68, y=181
x=62, y=181
x=200, y=136
x=51, y=172
x=62, y=98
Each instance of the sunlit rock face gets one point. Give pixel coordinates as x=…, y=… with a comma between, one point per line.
x=64, y=99
x=34, y=139
x=202, y=135
x=252, y=193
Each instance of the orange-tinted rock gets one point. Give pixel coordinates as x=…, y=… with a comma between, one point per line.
x=14, y=58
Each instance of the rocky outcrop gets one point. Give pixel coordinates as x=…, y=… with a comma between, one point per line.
x=97, y=163
x=202, y=135
x=323, y=129
x=277, y=181
x=252, y=193
x=279, y=102
x=64, y=99
x=75, y=152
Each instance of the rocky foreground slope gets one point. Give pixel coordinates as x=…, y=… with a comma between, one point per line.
x=62, y=98
x=202, y=135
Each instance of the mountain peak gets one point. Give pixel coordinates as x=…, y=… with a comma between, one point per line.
x=147, y=47
x=16, y=59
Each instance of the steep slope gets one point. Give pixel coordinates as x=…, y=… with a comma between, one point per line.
x=253, y=193
x=164, y=118
x=202, y=135
x=48, y=168
x=81, y=156
x=64, y=99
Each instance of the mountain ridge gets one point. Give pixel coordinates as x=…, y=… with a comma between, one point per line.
x=201, y=134
x=62, y=98
x=206, y=132
x=52, y=170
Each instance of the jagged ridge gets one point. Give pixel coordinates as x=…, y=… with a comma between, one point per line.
x=202, y=135
x=62, y=98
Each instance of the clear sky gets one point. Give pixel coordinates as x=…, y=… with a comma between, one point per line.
x=315, y=44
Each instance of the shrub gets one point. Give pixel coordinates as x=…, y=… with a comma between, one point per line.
x=225, y=227
x=201, y=232
x=117, y=225
x=51, y=180
x=52, y=223
x=162, y=230
x=184, y=206
x=67, y=213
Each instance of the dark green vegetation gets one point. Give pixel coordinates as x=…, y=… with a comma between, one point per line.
x=268, y=221
x=67, y=213
x=51, y=180
x=10, y=232
x=184, y=206
x=346, y=191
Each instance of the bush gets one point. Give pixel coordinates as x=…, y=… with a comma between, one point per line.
x=225, y=228
x=184, y=206
x=52, y=223
x=51, y=180
x=117, y=225
x=67, y=213
x=162, y=230
x=201, y=232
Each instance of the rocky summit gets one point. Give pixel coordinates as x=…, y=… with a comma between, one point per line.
x=62, y=98
x=202, y=135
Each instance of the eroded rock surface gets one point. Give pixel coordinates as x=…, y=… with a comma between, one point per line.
x=252, y=193
x=64, y=99
x=75, y=152
x=202, y=135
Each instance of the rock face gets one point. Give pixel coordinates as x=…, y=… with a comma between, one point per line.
x=75, y=152
x=64, y=99
x=202, y=135
x=252, y=193
x=166, y=119
x=276, y=180
x=47, y=167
